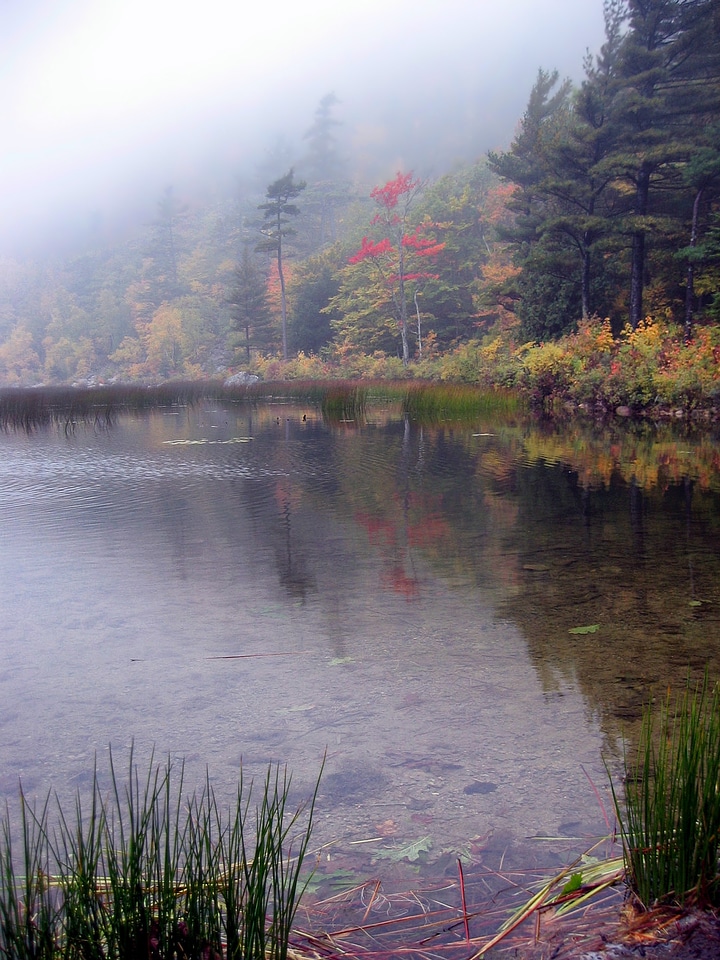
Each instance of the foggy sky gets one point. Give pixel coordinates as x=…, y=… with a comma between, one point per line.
x=103, y=103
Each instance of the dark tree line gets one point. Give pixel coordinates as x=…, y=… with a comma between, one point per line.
x=618, y=182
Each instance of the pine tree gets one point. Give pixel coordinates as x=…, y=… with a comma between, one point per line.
x=545, y=289
x=249, y=303
x=324, y=170
x=278, y=211
x=164, y=252
x=313, y=285
x=666, y=90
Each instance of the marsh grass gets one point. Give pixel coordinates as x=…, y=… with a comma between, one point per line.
x=145, y=871
x=31, y=409
x=670, y=819
x=344, y=403
x=28, y=912
x=433, y=402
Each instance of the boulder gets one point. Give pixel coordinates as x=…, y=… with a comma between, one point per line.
x=241, y=379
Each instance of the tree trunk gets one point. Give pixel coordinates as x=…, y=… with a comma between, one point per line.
x=586, y=283
x=402, y=302
x=283, y=301
x=690, y=288
x=419, y=325
x=403, y=325
x=638, y=249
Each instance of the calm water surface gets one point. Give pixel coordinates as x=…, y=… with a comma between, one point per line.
x=226, y=585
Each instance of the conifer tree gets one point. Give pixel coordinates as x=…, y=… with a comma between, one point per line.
x=666, y=90
x=278, y=211
x=248, y=301
x=324, y=169
x=171, y=214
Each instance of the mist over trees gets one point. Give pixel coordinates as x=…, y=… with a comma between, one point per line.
x=605, y=204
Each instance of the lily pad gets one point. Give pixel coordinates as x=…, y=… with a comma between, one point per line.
x=583, y=631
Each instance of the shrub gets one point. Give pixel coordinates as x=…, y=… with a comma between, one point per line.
x=547, y=371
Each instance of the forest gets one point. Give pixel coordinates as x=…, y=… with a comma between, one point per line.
x=591, y=246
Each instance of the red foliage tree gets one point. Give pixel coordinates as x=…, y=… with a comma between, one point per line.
x=399, y=257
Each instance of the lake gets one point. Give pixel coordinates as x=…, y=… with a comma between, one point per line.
x=466, y=620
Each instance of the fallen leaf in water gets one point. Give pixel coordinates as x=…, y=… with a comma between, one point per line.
x=388, y=828
x=410, y=851
x=424, y=818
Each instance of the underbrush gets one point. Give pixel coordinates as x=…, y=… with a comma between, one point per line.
x=649, y=367
x=646, y=369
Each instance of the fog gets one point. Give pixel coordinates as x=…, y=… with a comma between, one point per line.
x=103, y=104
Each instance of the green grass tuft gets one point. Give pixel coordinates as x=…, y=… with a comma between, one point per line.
x=670, y=820
x=148, y=872
x=432, y=402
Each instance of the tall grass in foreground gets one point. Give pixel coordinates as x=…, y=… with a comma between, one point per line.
x=670, y=820
x=147, y=872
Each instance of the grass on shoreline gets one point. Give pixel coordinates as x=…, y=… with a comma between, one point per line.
x=33, y=408
x=670, y=817
x=146, y=871
x=142, y=870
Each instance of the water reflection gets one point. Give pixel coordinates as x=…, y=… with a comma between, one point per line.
x=231, y=583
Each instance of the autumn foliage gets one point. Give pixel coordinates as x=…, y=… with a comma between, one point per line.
x=398, y=258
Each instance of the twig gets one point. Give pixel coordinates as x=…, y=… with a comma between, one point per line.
x=462, y=900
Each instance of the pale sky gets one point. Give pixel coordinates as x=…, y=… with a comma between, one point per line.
x=92, y=91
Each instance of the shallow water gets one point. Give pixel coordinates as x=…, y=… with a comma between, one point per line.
x=228, y=585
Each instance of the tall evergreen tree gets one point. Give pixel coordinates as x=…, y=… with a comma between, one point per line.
x=278, y=212
x=248, y=301
x=665, y=91
x=165, y=283
x=323, y=167
x=546, y=264
x=611, y=180
x=313, y=285
x=575, y=145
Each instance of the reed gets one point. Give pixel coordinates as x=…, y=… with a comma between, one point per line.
x=28, y=914
x=432, y=402
x=147, y=872
x=670, y=819
x=30, y=409
x=344, y=402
